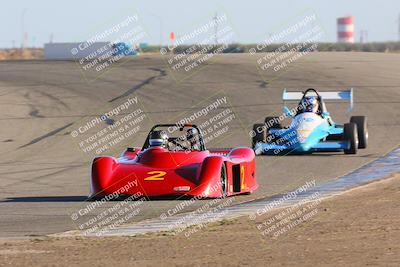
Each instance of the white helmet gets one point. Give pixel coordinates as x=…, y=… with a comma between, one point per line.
x=158, y=138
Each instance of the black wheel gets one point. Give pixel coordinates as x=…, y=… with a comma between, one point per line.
x=272, y=122
x=224, y=183
x=350, y=134
x=362, y=130
x=259, y=134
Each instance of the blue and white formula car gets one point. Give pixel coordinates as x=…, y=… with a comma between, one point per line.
x=312, y=129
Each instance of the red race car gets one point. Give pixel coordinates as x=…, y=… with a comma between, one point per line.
x=175, y=161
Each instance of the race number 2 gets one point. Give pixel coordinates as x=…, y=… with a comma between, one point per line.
x=155, y=176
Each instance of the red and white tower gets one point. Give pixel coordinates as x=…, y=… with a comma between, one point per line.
x=345, y=29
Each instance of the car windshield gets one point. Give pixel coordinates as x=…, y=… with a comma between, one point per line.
x=182, y=138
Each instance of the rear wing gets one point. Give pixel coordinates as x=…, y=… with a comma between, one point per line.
x=327, y=96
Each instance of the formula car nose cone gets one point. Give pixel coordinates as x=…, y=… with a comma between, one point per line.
x=302, y=135
x=304, y=124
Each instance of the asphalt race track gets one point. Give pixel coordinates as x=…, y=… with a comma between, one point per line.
x=45, y=175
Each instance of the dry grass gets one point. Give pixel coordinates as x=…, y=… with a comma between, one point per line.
x=21, y=54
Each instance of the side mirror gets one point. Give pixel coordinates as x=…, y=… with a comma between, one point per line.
x=287, y=112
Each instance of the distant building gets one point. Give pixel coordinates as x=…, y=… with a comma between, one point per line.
x=66, y=51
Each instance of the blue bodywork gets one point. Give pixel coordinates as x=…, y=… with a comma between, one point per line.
x=124, y=49
x=287, y=140
x=308, y=131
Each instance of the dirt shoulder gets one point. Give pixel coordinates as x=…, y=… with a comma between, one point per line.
x=360, y=227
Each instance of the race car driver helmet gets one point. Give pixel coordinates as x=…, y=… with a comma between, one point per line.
x=310, y=104
x=192, y=136
x=158, y=139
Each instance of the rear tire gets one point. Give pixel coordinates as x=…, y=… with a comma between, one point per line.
x=351, y=135
x=362, y=130
x=272, y=122
x=260, y=134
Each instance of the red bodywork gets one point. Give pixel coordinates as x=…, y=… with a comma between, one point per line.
x=159, y=172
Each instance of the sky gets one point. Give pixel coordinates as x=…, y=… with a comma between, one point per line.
x=252, y=21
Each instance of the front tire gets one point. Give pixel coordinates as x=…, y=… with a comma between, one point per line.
x=362, y=130
x=272, y=123
x=259, y=134
x=351, y=135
